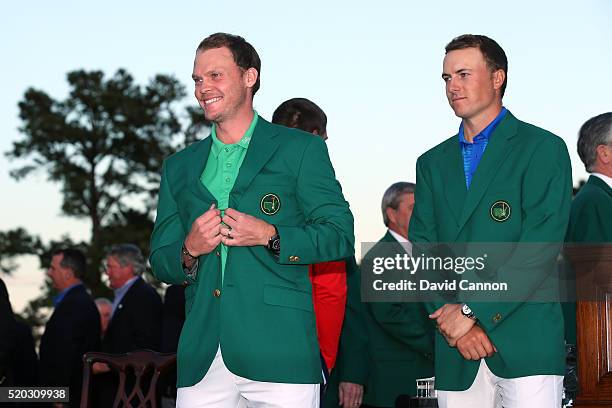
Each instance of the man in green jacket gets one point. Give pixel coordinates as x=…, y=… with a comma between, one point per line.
x=591, y=212
x=401, y=336
x=498, y=180
x=241, y=215
x=385, y=345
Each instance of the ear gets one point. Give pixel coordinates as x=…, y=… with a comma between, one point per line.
x=603, y=154
x=499, y=77
x=250, y=77
x=391, y=215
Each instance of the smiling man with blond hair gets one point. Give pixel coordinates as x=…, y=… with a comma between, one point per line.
x=241, y=215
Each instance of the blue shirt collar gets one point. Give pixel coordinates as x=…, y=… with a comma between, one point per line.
x=60, y=296
x=486, y=132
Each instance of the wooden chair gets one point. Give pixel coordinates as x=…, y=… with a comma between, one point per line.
x=141, y=363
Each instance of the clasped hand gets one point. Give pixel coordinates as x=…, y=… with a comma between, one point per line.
x=233, y=229
x=462, y=332
x=452, y=324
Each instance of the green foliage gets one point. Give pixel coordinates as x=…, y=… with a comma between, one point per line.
x=14, y=243
x=104, y=144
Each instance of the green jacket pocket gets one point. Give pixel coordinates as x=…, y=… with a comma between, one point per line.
x=287, y=297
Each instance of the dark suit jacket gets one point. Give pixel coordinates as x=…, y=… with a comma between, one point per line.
x=136, y=323
x=173, y=318
x=8, y=332
x=24, y=362
x=72, y=330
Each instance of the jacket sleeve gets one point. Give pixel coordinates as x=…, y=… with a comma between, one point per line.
x=168, y=237
x=422, y=228
x=328, y=233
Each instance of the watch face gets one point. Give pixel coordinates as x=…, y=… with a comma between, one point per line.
x=465, y=309
x=276, y=244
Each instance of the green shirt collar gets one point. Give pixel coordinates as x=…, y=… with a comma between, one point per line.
x=217, y=145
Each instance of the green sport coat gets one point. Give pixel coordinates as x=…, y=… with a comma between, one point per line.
x=529, y=169
x=262, y=314
x=591, y=213
x=401, y=337
x=590, y=222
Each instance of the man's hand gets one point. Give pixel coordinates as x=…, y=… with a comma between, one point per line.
x=475, y=345
x=245, y=230
x=452, y=324
x=350, y=394
x=204, y=236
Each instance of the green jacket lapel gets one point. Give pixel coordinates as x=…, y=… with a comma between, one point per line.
x=497, y=150
x=196, y=163
x=262, y=146
x=456, y=190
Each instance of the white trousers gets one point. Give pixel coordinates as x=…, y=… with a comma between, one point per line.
x=220, y=388
x=491, y=391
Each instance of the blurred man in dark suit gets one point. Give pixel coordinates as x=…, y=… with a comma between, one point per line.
x=173, y=318
x=18, y=358
x=137, y=308
x=74, y=326
x=136, y=315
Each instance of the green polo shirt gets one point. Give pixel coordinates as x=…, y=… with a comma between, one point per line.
x=221, y=170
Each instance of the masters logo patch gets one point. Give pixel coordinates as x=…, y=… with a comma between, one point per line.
x=270, y=204
x=500, y=211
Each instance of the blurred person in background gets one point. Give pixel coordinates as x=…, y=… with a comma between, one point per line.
x=74, y=327
x=105, y=308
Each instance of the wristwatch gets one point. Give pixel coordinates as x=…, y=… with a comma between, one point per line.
x=187, y=254
x=467, y=312
x=274, y=243
x=190, y=272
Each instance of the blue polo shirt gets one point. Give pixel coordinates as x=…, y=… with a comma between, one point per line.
x=472, y=152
